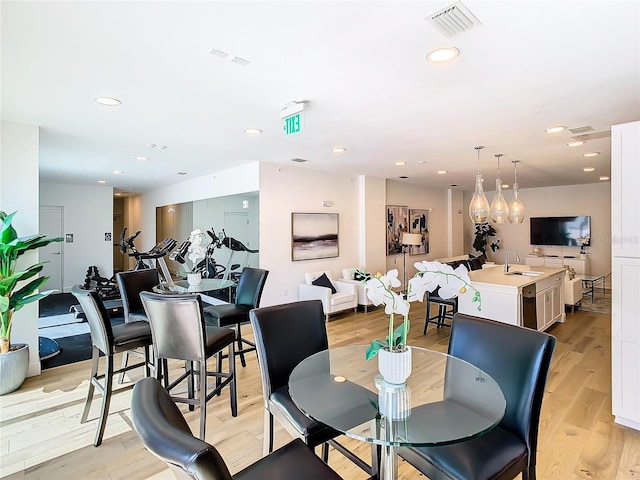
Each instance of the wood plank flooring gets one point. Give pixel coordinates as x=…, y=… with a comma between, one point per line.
x=41, y=434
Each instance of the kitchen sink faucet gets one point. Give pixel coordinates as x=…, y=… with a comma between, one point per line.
x=506, y=259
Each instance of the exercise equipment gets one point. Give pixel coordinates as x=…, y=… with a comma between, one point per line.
x=235, y=246
x=158, y=252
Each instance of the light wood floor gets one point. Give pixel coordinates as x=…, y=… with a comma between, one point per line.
x=41, y=434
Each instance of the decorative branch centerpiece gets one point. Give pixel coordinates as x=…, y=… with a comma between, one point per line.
x=429, y=277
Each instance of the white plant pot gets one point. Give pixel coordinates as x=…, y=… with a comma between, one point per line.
x=194, y=278
x=13, y=368
x=395, y=367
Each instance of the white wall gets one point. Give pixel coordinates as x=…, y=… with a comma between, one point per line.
x=19, y=192
x=592, y=199
x=88, y=215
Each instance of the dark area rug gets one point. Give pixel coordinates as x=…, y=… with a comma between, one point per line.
x=76, y=348
x=56, y=304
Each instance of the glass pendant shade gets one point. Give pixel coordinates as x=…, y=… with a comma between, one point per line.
x=499, y=206
x=516, y=209
x=479, y=206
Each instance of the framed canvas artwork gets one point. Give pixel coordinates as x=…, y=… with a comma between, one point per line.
x=397, y=223
x=314, y=235
x=418, y=224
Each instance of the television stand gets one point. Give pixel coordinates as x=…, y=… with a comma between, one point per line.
x=582, y=266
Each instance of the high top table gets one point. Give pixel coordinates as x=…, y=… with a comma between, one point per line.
x=445, y=400
x=205, y=285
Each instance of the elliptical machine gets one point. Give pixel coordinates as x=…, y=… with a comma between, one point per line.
x=157, y=253
x=235, y=246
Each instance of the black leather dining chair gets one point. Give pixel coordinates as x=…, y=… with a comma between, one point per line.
x=518, y=359
x=179, y=332
x=236, y=314
x=285, y=335
x=108, y=340
x=165, y=433
x=130, y=284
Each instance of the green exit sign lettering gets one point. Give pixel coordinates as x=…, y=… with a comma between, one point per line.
x=292, y=125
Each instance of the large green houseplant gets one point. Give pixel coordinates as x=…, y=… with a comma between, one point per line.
x=13, y=294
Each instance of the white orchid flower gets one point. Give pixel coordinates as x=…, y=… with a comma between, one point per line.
x=379, y=292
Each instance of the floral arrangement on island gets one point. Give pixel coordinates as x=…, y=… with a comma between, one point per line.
x=584, y=241
x=430, y=276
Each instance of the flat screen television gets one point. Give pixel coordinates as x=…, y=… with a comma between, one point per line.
x=560, y=231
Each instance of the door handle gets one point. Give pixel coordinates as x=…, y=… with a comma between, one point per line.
x=55, y=253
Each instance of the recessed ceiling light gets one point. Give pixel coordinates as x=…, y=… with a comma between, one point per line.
x=421, y=162
x=118, y=172
x=591, y=154
x=604, y=177
x=505, y=185
x=107, y=101
x=556, y=129
x=442, y=54
x=338, y=149
x=400, y=163
x=252, y=131
x=102, y=181
x=441, y=172
x=576, y=143
x=117, y=194
x=589, y=169
x=141, y=158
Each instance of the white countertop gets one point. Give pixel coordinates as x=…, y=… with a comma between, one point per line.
x=495, y=275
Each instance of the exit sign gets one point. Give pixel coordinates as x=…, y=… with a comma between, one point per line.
x=292, y=124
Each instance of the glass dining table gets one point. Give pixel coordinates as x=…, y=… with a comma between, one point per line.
x=445, y=400
x=205, y=286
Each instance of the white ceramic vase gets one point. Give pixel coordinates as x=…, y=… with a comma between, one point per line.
x=194, y=278
x=395, y=367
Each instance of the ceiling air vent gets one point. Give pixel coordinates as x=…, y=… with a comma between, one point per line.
x=583, y=129
x=593, y=136
x=299, y=160
x=454, y=19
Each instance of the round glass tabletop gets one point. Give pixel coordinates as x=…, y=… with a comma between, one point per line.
x=445, y=400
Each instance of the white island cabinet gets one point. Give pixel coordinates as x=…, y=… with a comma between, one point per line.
x=534, y=299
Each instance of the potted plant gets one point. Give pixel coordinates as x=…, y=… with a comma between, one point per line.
x=14, y=359
x=394, y=355
x=483, y=233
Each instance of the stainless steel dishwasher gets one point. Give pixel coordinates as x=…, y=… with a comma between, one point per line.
x=529, y=314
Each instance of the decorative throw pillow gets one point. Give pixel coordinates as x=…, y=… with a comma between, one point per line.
x=323, y=281
x=361, y=276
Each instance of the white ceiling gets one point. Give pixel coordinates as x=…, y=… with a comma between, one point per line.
x=529, y=66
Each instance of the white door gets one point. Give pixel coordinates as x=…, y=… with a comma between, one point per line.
x=51, y=225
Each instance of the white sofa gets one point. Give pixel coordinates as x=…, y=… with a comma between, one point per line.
x=361, y=289
x=345, y=297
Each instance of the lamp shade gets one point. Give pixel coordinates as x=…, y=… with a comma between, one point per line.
x=412, y=239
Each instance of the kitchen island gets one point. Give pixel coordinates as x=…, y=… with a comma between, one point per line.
x=529, y=296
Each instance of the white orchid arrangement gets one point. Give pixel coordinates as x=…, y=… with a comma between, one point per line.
x=430, y=275
x=584, y=241
x=196, y=251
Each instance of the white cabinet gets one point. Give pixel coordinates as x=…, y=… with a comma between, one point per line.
x=625, y=341
x=625, y=273
x=625, y=194
x=580, y=265
x=549, y=301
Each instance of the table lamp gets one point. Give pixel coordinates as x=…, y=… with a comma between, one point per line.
x=409, y=240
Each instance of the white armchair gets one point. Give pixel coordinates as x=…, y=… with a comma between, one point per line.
x=345, y=297
x=572, y=292
x=361, y=290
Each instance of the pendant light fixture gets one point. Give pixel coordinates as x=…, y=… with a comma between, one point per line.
x=479, y=206
x=499, y=206
x=516, y=209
